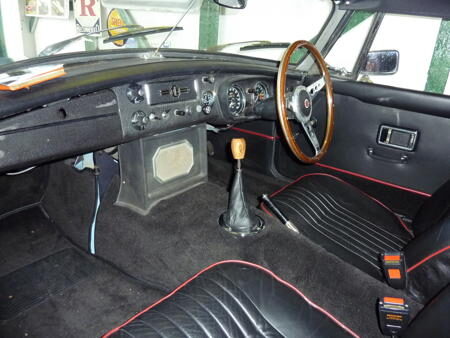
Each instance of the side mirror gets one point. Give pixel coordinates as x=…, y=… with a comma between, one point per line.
x=235, y=4
x=381, y=62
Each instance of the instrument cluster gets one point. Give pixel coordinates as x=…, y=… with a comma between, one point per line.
x=241, y=96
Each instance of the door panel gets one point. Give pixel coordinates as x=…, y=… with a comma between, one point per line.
x=357, y=126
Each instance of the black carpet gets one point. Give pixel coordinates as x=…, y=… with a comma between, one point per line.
x=27, y=237
x=34, y=283
x=181, y=236
x=58, y=290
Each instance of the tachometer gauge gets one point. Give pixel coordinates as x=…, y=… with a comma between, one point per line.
x=236, y=100
x=261, y=92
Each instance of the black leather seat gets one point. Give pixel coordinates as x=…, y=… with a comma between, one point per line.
x=233, y=300
x=240, y=299
x=357, y=228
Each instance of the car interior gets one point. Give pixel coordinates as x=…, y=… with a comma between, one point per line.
x=214, y=195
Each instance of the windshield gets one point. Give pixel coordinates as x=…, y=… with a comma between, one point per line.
x=263, y=29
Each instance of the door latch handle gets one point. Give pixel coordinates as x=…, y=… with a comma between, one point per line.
x=403, y=159
x=398, y=138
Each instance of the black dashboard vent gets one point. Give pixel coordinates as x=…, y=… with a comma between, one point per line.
x=175, y=91
x=165, y=92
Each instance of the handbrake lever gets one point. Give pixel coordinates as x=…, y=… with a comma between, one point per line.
x=278, y=213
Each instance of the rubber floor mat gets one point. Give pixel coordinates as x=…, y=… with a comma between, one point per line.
x=22, y=289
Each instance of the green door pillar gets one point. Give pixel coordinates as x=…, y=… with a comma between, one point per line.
x=2, y=38
x=440, y=62
x=209, y=24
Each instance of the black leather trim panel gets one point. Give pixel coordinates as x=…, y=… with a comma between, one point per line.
x=426, y=103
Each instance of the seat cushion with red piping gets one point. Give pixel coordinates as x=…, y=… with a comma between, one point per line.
x=233, y=299
x=343, y=219
x=357, y=228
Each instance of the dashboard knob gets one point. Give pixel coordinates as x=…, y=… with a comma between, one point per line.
x=135, y=93
x=180, y=112
x=139, y=120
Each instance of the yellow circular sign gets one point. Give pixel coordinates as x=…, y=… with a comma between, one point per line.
x=115, y=20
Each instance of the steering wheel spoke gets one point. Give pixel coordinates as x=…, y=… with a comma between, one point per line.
x=314, y=88
x=312, y=137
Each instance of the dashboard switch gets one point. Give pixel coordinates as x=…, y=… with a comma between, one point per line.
x=180, y=112
x=153, y=117
x=165, y=114
x=139, y=120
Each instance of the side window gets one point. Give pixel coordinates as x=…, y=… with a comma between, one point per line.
x=344, y=54
x=410, y=52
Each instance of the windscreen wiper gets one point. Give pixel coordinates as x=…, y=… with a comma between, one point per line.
x=219, y=48
x=250, y=45
x=142, y=32
x=56, y=47
x=265, y=45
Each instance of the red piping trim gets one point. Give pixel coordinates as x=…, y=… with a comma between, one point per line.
x=263, y=207
x=254, y=133
x=428, y=258
x=317, y=307
x=374, y=180
x=341, y=180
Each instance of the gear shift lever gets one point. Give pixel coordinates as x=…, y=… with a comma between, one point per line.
x=239, y=219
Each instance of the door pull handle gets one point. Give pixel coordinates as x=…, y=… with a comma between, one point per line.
x=403, y=159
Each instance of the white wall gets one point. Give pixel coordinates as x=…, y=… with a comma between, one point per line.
x=447, y=86
x=19, y=41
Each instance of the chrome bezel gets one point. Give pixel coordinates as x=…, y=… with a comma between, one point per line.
x=266, y=89
x=213, y=98
x=243, y=99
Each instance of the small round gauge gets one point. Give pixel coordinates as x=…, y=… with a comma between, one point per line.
x=135, y=93
x=208, y=98
x=236, y=100
x=261, y=91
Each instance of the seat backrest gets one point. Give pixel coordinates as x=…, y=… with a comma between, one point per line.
x=428, y=254
x=433, y=320
x=433, y=210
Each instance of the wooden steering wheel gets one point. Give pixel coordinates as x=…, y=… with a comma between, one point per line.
x=298, y=105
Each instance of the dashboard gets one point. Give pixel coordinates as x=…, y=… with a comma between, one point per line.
x=149, y=107
x=99, y=108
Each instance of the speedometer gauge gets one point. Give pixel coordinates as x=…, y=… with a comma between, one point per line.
x=236, y=100
x=261, y=92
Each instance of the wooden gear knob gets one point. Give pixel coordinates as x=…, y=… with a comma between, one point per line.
x=238, y=147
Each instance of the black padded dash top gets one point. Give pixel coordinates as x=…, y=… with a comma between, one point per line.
x=233, y=299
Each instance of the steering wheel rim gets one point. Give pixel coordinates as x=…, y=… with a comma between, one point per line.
x=282, y=104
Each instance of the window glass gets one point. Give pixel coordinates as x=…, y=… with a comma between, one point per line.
x=345, y=51
x=254, y=31
x=423, y=46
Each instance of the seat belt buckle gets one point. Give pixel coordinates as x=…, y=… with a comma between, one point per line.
x=394, y=269
x=393, y=315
